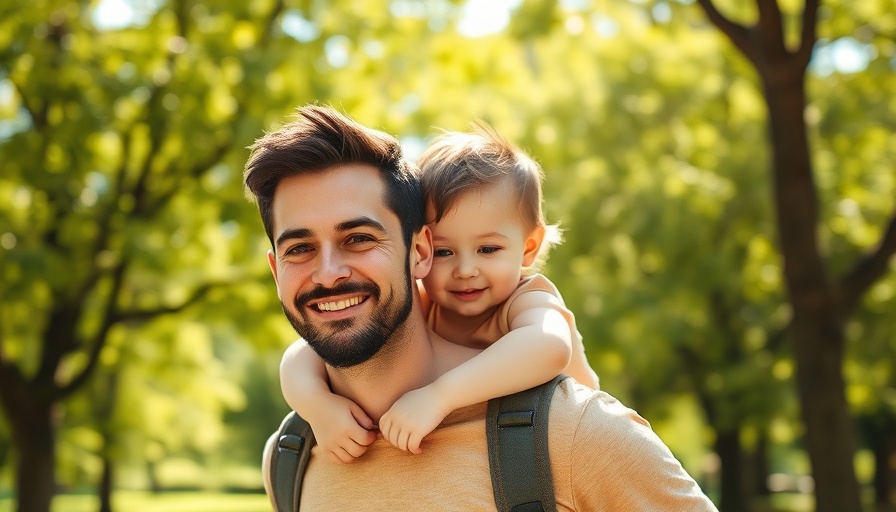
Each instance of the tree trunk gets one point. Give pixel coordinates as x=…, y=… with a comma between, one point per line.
x=106, y=485
x=35, y=473
x=883, y=443
x=730, y=453
x=760, y=467
x=816, y=324
x=155, y=487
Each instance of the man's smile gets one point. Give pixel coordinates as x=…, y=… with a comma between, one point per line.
x=338, y=305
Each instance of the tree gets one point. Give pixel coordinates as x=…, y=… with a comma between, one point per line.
x=115, y=196
x=120, y=196
x=630, y=101
x=820, y=304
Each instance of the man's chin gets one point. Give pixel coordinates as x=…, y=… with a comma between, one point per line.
x=343, y=354
x=339, y=326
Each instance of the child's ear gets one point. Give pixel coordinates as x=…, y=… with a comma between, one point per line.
x=421, y=253
x=533, y=244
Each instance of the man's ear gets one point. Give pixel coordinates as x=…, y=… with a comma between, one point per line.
x=533, y=244
x=421, y=253
x=272, y=262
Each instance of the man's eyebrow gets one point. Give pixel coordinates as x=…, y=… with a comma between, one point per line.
x=293, y=233
x=360, y=222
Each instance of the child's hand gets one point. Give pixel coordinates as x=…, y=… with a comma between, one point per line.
x=411, y=418
x=344, y=432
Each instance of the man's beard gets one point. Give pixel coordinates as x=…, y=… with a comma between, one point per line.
x=349, y=344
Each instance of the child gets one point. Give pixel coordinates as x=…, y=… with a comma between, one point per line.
x=483, y=200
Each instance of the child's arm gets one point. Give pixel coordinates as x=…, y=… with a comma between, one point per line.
x=341, y=427
x=579, y=368
x=536, y=350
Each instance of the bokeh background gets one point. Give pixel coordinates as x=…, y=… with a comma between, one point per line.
x=139, y=330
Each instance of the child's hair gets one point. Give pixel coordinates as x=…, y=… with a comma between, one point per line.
x=456, y=162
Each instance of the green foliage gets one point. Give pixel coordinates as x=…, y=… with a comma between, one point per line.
x=122, y=151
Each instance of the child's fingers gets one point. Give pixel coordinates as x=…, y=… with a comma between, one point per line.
x=391, y=435
x=385, y=428
x=361, y=417
x=414, y=441
x=394, y=436
x=343, y=455
x=403, y=439
x=354, y=450
x=361, y=436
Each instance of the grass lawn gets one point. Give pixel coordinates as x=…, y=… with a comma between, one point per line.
x=137, y=501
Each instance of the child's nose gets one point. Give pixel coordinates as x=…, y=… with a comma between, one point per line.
x=466, y=268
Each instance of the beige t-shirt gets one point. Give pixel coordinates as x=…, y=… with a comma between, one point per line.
x=604, y=457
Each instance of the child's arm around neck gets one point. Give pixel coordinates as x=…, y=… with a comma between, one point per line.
x=537, y=348
x=341, y=428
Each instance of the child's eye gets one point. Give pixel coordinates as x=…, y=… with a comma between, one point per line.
x=442, y=253
x=489, y=249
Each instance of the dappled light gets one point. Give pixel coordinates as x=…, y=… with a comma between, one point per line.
x=140, y=330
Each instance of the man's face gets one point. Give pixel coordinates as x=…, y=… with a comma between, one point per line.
x=341, y=266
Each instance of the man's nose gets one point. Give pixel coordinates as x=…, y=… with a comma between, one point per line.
x=331, y=268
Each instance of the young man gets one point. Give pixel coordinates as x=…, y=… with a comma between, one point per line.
x=344, y=213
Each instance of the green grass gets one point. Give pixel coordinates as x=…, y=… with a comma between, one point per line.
x=195, y=501
x=138, y=501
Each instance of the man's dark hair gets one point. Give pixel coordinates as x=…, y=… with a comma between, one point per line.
x=321, y=138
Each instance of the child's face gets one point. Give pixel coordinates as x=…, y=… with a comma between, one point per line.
x=481, y=245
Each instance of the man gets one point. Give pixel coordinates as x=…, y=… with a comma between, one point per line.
x=343, y=211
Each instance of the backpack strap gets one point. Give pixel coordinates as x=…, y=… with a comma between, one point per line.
x=289, y=460
x=517, y=434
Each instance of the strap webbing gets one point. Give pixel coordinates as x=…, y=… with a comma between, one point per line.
x=292, y=451
x=517, y=434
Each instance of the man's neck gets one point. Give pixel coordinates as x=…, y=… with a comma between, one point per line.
x=414, y=357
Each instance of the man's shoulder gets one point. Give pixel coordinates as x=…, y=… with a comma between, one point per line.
x=576, y=407
x=604, y=455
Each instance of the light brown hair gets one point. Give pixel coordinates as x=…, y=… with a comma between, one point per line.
x=456, y=162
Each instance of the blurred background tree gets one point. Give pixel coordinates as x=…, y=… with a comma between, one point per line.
x=140, y=334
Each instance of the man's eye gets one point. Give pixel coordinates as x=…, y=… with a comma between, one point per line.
x=359, y=239
x=489, y=249
x=299, y=249
x=442, y=253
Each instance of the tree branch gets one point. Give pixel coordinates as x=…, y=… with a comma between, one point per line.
x=99, y=339
x=270, y=29
x=38, y=117
x=867, y=270
x=738, y=34
x=771, y=28
x=809, y=33
x=776, y=339
x=13, y=390
x=215, y=157
x=146, y=314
